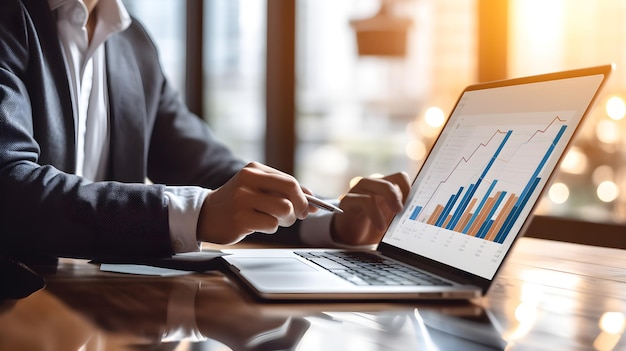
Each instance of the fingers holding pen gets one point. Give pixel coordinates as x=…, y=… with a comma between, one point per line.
x=266, y=180
x=257, y=199
x=261, y=199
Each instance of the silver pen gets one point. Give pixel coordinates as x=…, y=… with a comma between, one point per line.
x=321, y=204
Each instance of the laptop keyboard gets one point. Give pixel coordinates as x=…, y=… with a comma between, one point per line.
x=363, y=268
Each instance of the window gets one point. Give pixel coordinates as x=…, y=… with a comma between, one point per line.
x=360, y=112
x=234, y=76
x=165, y=22
x=364, y=110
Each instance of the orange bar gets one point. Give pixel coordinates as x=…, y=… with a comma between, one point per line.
x=508, y=206
x=483, y=214
x=465, y=217
x=463, y=222
x=435, y=215
x=445, y=223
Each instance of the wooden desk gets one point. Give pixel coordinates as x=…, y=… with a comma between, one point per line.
x=549, y=296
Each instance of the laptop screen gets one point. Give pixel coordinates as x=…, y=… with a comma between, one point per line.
x=488, y=168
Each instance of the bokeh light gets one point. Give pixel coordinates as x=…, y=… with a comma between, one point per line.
x=602, y=173
x=607, y=131
x=559, y=193
x=415, y=150
x=607, y=191
x=434, y=117
x=616, y=108
x=612, y=322
x=575, y=161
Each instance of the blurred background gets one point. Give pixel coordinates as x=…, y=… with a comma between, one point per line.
x=334, y=90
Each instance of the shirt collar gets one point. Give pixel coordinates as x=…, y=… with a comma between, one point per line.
x=55, y=4
x=112, y=12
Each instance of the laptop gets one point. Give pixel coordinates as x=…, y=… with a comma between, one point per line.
x=469, y=202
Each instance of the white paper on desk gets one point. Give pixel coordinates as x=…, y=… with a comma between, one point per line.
x=199, y=255
x=177, y=264
x=140, y=269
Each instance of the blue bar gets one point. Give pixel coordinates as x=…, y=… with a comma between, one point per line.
x=472, y=189
x=528, y=189
x=517, y=209
x=415, y=212
x=485, y=226
x=461, y=208
x=448, y=208
x=493, y=158
x=480, y=207
x=548, y=153
x=440, y=220
x=482, y=233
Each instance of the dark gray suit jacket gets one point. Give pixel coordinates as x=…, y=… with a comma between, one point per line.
x=44, y=208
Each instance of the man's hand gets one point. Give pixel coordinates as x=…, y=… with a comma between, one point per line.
x=257, y=199
x=368, y=208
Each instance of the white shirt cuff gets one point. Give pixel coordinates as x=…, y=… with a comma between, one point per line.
x=184, y=204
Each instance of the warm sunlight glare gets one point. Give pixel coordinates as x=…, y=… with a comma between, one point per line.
x=536, y=34
x=612, y=322
x=434, y=117
x=616, y=108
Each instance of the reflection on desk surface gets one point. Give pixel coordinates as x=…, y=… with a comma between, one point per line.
x=541, y=302
x=116, y=314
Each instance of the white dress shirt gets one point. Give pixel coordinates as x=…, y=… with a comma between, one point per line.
x=86, y=70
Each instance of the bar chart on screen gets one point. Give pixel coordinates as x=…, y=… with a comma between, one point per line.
x=483, y=182
x=491, y=214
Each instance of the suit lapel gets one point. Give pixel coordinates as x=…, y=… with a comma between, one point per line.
x=128, y=113
x=59, y=140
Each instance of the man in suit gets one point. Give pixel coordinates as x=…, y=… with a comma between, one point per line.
x=87, y=116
